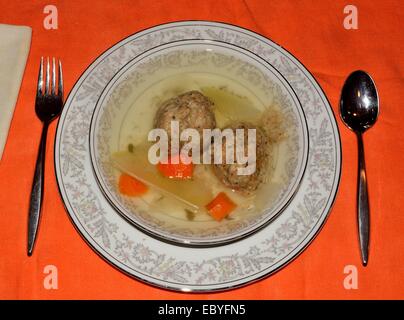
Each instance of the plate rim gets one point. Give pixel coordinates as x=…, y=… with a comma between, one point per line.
x=330, y=112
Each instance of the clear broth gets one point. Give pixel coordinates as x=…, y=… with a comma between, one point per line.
x=232, y=102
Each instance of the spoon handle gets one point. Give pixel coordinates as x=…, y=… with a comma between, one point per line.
x=363, y=203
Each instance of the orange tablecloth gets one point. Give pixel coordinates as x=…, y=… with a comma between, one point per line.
x=313, y=31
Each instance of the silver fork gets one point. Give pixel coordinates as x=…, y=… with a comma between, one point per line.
x=48, y=105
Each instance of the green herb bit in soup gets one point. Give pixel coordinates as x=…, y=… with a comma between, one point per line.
x=190, y=214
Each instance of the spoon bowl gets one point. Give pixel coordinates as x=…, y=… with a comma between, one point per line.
x=359, y=105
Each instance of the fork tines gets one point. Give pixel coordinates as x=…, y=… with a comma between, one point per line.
x=50, y=88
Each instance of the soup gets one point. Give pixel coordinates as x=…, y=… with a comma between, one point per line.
x=187, y=200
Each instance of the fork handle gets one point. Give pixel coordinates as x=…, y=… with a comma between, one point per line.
x=36, y=197
x=363, y=203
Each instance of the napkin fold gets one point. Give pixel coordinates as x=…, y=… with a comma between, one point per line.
x=14, y=48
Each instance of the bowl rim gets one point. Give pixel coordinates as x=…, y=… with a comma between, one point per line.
x=180, y=239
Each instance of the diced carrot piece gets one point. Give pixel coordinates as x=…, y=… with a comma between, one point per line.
x=178, y=170
x=220, y=207
x=130, y=186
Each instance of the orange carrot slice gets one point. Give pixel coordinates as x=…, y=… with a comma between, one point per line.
x=178, y=170
x=220, y=207
x=130, y=186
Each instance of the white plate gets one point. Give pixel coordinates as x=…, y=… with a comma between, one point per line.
x=196, y=269
x=208, y=59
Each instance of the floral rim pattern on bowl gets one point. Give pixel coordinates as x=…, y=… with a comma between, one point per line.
x=179, y=268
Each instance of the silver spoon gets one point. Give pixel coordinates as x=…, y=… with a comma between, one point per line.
x=359, y=108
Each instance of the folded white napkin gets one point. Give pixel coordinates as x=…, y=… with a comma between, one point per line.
x=14, y=47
